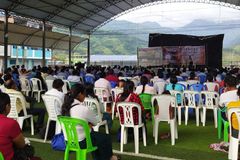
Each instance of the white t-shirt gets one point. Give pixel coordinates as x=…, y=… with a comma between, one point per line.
x=227, y=97
x=58, y=94
x=80, y=111
x=148, y=89
x=72, y=78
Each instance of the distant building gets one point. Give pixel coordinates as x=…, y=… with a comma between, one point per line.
x=122, y=60
x=32, y=56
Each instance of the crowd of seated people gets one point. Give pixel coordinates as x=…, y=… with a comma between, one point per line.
x=104, y=77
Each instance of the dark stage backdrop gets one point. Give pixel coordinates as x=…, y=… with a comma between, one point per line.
x=213, y=44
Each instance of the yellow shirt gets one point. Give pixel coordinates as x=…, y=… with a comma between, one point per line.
x=234, y=117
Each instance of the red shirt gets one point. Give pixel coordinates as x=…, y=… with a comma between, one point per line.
x=112, y=78
x=132, y=98
x=9, y=130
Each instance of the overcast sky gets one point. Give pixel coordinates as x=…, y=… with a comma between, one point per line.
x=179, y=14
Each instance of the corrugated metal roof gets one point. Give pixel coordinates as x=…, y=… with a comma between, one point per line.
x=86, y=15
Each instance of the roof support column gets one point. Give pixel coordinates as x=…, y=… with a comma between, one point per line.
x=43, y=45
x=23, y=55
x=5, y=40
x=70, y=47
x=88, y=51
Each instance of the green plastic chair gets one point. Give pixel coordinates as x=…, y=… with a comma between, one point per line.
x=225, y=124
x=72, y=144
x=1, y=156
x=146, y=100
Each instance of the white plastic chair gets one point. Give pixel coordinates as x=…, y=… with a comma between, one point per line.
x=160, y=86
x=25, y=86
x=191, y=102
x=125, y=111
x=51, y=102
x=190, y=82
x=135, y=80
x=184, y=83
x=115, y=93
x=66, y=86
x=164, y=104
x=180, y=105
x=210, y=100
x=36, y=85
x=14, y=114
x=101, y=92
x=93, y=104
x=49, y=84
x=211, y=86
x=61, y=77
x=233, y=142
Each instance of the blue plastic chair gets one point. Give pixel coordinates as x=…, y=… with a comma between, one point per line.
x=196, y=87
x=113, y=84
x=89, y=79
x=202, y=78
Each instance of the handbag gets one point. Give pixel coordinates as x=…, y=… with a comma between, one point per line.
x=58, y=142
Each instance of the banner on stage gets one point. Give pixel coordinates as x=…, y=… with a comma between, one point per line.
x=183, y=55
x=150, y=56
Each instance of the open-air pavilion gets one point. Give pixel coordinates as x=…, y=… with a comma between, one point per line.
x=86, y=16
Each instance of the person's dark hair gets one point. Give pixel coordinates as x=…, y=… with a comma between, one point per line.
x=57, y=83
x=7, y=77
x=210, y=78
x=69, y=98
x=9, y=84
x=160, y=74
x=192, y=75
x=127, y=89
x=75, y=72
x=166, y=92
x=173, y=80
x=5, y=100
x=231, y=81
x=102, y=75
x=144, y=82
x=89, y=89
x=110, y=72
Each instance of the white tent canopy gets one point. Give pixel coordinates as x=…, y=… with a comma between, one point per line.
x=21, y=35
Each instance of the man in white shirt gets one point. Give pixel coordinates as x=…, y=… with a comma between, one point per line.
x=57, y=92
x=230, y=93
x=103, y=83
